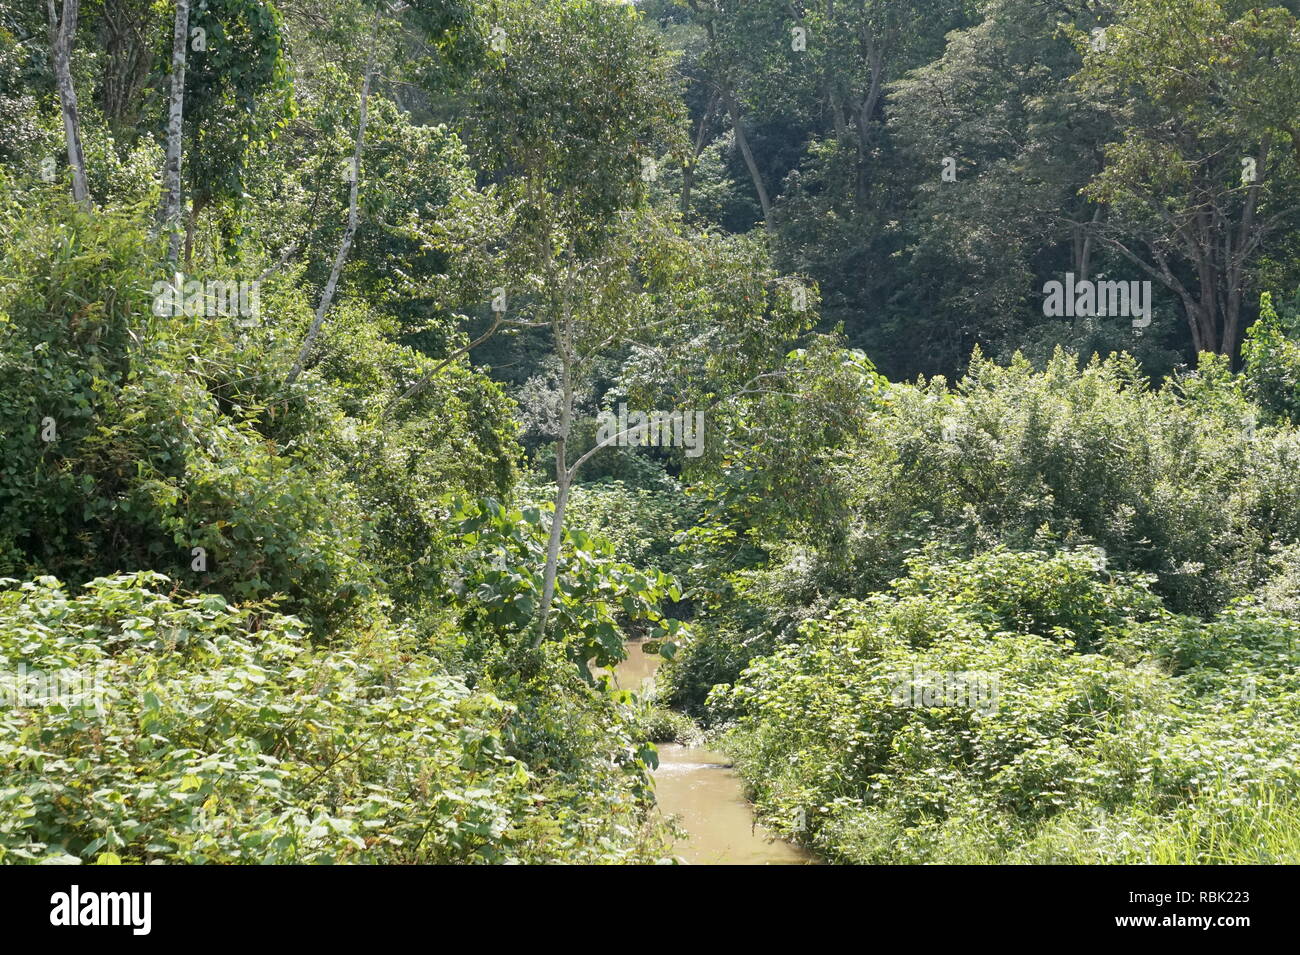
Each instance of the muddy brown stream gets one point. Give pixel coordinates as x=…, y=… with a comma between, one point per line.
x=703, y=792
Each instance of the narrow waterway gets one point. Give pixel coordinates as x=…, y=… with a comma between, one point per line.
x=703, y=792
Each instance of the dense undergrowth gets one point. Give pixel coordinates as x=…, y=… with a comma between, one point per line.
x=1111, y=569
x=201, y=732
x=1107, y=726
x=333, y=681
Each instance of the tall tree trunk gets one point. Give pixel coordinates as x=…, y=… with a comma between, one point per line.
x=1082, y=241
x=171, y=204
x=327, y=296
x=733, y=107
x=1207, y=310
x=742, y=141
x=1231, y=343
x=551, y=570
x=838, y=117
x=1237, y=250
x=688, y=168
x=867, y=109
x=563, y=330
x=62, y=32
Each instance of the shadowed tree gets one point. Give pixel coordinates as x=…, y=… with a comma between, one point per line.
x=1207, y=165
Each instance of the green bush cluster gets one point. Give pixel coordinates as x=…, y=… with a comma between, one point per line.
x=172, y=433
x=206, y=732
x=599, y=601
x=1185, y=482
x=1108, y=715
x=1271, y=355
x=143, y=463
x=643, y=522
x=1188, y=482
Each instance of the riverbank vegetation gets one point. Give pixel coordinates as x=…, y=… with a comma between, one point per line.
x=317, y=540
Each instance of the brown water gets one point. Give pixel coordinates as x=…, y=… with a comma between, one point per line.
x=703, y=792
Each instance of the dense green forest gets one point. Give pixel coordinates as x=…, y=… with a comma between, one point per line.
x=917, y=380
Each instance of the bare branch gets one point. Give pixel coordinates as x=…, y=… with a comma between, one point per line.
x=327, y=296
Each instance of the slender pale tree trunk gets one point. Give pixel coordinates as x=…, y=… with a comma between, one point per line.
x=62, y=32
x=1081, y=245
x=327, y=296
x=564, y=341
x=171, y=201
x=553, y=543
x=733, y=108
x=742, y=141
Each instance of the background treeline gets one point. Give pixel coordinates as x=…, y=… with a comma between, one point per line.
x=344, y=567
x=1119, y=155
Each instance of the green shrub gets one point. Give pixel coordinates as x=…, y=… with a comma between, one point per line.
x=497, y=583
x=1271, y=356
x=174, y=433
x=1181, y=483
x=222, y=735
x=660, y=725
x=142, y=464
x=642, y=523
x=1083, y=699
